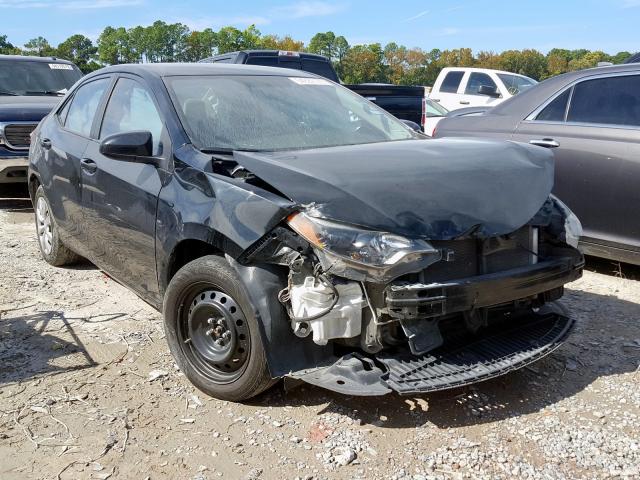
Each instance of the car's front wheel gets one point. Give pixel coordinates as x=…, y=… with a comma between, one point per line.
x=212, y=332
x=51, y=247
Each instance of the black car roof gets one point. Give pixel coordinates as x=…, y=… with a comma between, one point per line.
x=537, y=94
x=195, y=69
x=31, y=58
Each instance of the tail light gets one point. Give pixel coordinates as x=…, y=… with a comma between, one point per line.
x=423, y=117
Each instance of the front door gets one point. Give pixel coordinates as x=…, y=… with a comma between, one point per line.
x=120, y=197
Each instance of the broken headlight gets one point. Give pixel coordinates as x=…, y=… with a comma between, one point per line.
x=360, y=254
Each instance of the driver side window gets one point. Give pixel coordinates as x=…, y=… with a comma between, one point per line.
x=131, y=108
x=476, y=80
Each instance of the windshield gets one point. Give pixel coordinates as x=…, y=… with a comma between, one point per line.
x=434, y=109
x=516, y=83
x=23, y=77
x=277, y=113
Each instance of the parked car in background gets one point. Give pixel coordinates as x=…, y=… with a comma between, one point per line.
x=459, y=87
x=591, y=120
x=635, y=58
x=29, y=88
x=285, y=226
x=403, y=102
x=433, y=113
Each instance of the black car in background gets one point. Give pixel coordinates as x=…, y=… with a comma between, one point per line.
x=29, y=88
x=285, y=226
x=591, y=120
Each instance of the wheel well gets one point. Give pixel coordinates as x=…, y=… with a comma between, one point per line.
x=34, y=183
x=187, y=251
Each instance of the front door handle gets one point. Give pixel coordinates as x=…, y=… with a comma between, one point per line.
x=464, y=102
x=89, y=166
x=45, y=143
x=545, y=142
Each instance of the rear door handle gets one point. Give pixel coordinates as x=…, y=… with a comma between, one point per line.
x=45, y=143
x=436, y=100
x=545, y=142
x=89, y=166
x=464, y=102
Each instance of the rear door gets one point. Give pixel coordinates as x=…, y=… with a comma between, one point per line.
x=594, y=128
x=64, y=141
x=120, y=197
x=446, y=94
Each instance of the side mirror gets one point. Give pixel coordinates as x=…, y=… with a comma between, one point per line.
x=412, y=125
x=488, y=90
x=128, y=146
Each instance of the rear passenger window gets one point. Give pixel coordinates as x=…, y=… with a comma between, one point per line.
x=451, y=82
x=84, y=105
x=554, y=112
x=612, y=101
x=476, y=80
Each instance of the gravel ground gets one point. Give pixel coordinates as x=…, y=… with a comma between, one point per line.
x=88, y=390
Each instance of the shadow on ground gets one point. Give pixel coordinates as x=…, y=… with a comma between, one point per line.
x=42, y=343
x=595, y=349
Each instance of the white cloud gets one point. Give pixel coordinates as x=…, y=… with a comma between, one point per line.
x=201, y=23
x=302, y=9
x=69, y=4
x=415, y=17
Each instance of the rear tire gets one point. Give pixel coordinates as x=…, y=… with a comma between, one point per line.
x=51, y=247
x=212, y=332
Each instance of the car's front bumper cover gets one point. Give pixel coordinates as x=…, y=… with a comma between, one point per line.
x=487, y=356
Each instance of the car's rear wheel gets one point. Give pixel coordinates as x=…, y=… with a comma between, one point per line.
x=212, y=332
x=51, y=247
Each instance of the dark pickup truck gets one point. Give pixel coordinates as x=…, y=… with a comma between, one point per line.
x=29, y=88
x=403, y=102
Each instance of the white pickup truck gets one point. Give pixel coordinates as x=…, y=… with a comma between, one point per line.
x=460, y=87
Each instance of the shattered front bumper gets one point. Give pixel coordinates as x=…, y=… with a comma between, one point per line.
x=524, y=339
x=491, y=355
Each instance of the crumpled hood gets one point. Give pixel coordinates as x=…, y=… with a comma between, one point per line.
x=26, y=108
x=434, y=189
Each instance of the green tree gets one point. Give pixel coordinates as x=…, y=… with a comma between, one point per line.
x=80, y=50
x=364, y=63
x=7, y=48
x=620, y=57
x=39, y=47
x=199, y=45
x=588, y=60
x=527, y=62
x=114, y=47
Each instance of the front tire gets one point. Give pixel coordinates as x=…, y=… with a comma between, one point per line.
x=51, y=247
x=212, y=332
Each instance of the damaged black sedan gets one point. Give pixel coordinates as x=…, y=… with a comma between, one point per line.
x=287, y=227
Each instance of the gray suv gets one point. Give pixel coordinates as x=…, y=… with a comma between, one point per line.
x=591, y=120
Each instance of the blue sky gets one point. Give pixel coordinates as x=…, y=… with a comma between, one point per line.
x=609, y=25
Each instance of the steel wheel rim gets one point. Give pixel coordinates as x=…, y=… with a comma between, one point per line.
x=44, y=225
x=213, y=333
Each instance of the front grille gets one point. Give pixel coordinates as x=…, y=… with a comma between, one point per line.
x=18, y=135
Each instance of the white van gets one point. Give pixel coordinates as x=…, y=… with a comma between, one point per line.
x=460, y=87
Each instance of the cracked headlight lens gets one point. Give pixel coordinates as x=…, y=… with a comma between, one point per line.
x=363, y=254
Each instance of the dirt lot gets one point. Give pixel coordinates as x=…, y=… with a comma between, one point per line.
x=88, y=390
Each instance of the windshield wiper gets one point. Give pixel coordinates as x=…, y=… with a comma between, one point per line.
x=7, y=92
x=44, y=92
x=228, y=151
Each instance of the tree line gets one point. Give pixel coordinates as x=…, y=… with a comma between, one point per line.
x=391, y=63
